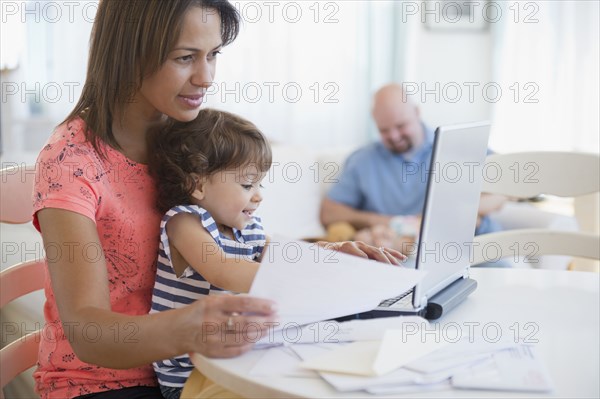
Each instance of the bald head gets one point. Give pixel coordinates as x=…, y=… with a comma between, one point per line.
x=397, y=119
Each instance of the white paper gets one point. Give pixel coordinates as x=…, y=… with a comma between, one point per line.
x=310, y=283
x=374, y=329
x=457, y=354
x=331, y=331
x=306, y=352
x=346, y=382
x=514, y=369
x=280, y=361
x=399, y=348
x=375, y=358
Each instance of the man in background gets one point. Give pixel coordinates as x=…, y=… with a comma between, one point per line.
x=381, y=190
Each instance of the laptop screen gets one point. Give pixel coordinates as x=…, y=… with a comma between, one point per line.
x=451, y=203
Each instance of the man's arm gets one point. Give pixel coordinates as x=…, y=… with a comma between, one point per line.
x=489, y=203
x=332, y=211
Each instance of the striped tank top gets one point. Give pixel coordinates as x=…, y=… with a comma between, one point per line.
x=172, y=292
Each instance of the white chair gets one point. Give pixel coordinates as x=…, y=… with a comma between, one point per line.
x=530, y=174
x=16, y=206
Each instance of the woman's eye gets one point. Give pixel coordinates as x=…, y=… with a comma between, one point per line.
x=215, y=53
x=186, y=58
x=247, y=186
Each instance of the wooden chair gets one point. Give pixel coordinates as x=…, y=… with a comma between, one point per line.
x=530, y=174
x=16, y=207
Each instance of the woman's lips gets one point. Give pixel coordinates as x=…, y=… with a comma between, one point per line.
x=191, y=101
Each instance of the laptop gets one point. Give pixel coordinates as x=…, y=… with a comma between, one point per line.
x=448, y=225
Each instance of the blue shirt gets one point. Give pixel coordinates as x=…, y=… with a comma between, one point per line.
x=374, y=179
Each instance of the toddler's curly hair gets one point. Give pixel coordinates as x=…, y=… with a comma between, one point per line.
x=214, y=141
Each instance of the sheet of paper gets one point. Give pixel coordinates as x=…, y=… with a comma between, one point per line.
x=399, y=348
x=375, y=358
x=514, y=369
x=356, y=358
x=280, y=361
x=310, y=283
x=374, y=329
x=457, y=354
x=306, y=352
x=331, y=331
x=348, y=383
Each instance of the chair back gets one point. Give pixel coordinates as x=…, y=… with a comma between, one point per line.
x=16, y=207
x=16, y=196
x=530, y=174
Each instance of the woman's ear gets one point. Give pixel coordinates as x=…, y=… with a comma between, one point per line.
x=200, y=183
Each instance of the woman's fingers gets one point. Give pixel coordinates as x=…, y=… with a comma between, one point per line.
x=231, y=324
x=359, y=248
x=396, y=257
x=246, y=304
x=376, y=253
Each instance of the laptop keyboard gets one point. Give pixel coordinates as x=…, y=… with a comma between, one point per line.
x=403, y=300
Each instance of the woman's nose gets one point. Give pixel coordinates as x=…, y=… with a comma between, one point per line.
x=203, y=75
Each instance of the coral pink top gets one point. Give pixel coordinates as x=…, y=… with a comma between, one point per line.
x=119, y=196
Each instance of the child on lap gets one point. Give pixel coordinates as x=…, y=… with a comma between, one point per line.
x=208, y=174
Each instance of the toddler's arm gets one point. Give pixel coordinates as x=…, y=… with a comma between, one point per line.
x=192, y=243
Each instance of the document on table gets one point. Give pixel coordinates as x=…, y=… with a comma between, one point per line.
x=280, y=361
x=466, y=364
x=375, y=358
x=310, y=283
x=331, y=331
x=513, y=369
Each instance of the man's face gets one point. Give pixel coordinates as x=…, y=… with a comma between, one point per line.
x=399, y=126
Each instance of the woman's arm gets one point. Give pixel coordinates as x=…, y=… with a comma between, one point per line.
x=81, y=289
x=189, y=238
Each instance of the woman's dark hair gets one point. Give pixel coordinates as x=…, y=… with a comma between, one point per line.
x=131, y=40
x=214, y=141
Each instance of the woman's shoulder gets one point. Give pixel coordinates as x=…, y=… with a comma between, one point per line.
x=67, y=139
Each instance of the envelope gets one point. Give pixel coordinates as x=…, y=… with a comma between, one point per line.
x=378, y=357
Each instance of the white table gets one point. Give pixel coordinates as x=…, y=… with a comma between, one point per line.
x=562, y=309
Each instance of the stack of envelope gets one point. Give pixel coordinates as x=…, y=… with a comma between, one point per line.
x=399, y=355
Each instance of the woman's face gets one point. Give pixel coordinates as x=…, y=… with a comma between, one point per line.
x=177, y=89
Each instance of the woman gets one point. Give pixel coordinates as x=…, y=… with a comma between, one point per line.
x=95, y=207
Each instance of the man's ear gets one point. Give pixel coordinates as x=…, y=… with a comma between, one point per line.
x=199, y=192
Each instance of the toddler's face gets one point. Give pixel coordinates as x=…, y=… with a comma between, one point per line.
x=232, y=196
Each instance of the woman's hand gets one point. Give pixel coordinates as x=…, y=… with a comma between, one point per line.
x=359, y=248
x=230, y=324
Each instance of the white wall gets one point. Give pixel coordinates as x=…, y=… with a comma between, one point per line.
x=447, y=67
x=363, y=45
